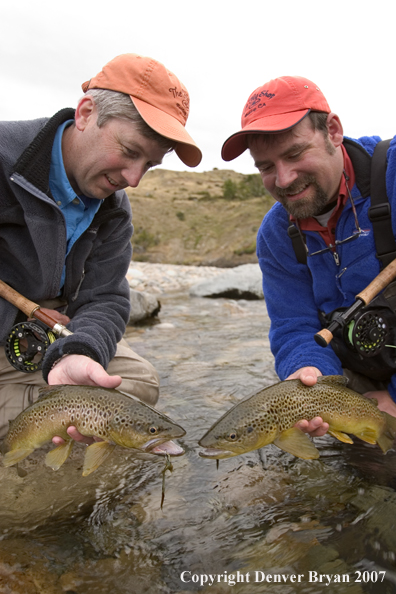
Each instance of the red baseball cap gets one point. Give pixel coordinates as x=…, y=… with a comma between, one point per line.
x=277, y=106
x=158, y=95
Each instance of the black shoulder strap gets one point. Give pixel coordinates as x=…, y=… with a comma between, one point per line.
x=298, y=244
x=380, y=210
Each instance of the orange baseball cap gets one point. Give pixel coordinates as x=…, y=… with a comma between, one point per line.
x=158, y=95
x=277, y=106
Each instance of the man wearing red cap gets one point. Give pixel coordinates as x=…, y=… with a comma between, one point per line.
x=321, y=183
x=66, y=223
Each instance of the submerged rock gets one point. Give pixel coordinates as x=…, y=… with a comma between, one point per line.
x=242, y=282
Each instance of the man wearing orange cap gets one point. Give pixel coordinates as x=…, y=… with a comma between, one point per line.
x=316, y=246
x=66, y=223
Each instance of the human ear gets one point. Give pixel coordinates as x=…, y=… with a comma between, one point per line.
x=335, y=130
x=85, y=110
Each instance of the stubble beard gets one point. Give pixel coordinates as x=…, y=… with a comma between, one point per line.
x=304, y=207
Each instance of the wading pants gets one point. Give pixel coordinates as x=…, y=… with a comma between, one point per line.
x=18, y=390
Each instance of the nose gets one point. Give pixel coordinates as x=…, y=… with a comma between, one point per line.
x=134, y=174
x=285, y=175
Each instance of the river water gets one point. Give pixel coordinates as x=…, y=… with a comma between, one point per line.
x=276, y=523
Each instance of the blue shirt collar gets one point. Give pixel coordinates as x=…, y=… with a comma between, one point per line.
x=58, y=181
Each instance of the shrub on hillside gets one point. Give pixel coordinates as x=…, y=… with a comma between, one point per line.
x=250, y=187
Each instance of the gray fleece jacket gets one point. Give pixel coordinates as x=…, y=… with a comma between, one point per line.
x=33, y=247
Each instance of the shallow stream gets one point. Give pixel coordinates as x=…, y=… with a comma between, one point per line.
x=266, y=518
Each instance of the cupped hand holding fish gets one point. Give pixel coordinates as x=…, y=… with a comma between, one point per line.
x=79, y=370
x=316, y=427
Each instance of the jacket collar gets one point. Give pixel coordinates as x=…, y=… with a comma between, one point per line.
x=34, y=163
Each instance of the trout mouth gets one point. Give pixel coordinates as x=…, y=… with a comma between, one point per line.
x=163, y=448
x=216, y=454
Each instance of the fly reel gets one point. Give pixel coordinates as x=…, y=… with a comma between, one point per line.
x=367, y=334
x=26, y=345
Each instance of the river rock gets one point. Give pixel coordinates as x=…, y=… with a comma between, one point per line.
x=242, y=282
x=143, y=305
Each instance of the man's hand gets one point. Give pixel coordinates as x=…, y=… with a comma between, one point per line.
x=76, y=435
x=384, y=399
x=315, y=427
x=80, y=370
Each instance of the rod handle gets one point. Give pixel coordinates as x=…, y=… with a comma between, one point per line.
x=28, y=307
x=323, y=337
x=386, y=275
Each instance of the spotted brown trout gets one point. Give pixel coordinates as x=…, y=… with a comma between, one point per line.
x=115, y=418
x=270, y=415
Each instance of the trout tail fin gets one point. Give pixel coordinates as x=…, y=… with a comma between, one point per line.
x=387, y=437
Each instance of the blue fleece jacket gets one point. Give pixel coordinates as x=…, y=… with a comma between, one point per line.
x=295, y=292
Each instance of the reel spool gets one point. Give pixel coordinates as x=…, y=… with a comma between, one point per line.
x=26, y=345
x=367, y=334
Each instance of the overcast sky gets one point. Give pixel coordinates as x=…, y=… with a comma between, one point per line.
x=220, y=49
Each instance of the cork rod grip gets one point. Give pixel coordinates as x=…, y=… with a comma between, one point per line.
x=387, y=275
x=29, y=308
x=9, y=294
x=323, y=337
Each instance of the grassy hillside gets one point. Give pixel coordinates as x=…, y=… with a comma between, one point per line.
x=208, y=218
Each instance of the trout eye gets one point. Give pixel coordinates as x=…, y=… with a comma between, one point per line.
x=153, y=430
x=232, y=436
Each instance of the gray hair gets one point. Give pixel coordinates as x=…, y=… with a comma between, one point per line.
x=112, y=104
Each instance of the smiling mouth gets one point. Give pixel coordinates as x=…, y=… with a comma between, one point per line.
x=296, y=195
x=111, y=181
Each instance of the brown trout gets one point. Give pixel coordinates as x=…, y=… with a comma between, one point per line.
x=108, y=414
x=270, y=415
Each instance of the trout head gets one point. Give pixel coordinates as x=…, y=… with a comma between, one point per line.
x=237, y=432
x=142, y=427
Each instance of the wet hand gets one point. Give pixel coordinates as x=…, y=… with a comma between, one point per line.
x=308, y=375
x=77, y=436
x=315, y=427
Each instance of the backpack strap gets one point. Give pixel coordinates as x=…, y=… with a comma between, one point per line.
x=380, y=211
x=298, y=244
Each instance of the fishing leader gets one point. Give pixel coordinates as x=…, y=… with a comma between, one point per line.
x=65, y=227
x=324, y=240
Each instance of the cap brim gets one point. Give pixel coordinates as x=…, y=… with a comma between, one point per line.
x=236, y=144
x=167, y=126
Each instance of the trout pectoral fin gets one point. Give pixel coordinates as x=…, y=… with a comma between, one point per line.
x=15, y=456
x=297, y=442
x=340, y=436
x=95, y=455
x=56, y=457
